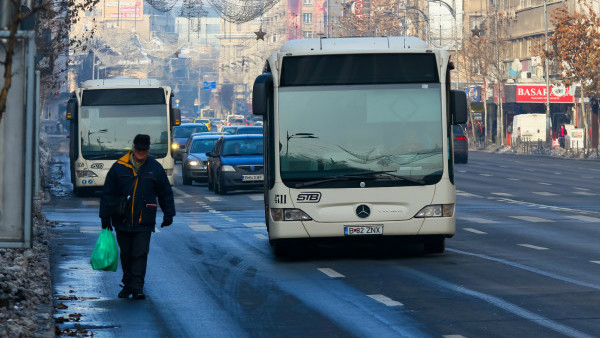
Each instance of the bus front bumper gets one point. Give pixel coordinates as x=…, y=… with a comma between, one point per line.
x=413, y=227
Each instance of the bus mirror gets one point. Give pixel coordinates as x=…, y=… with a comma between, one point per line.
x=458, y=106
x=263, y=88
x=175, y=116
x=72, y=109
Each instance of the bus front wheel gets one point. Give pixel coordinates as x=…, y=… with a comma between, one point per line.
x=435, y=244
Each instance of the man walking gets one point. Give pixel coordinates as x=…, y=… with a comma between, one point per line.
x=128, y=203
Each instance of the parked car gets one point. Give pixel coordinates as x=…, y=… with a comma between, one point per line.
x=248, y=130
x=181, y=134
x=461, y=144
x=194, y=162
x=236, y=163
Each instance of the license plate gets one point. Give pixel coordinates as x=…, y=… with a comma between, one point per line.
x=253, y=177
x=363, y=230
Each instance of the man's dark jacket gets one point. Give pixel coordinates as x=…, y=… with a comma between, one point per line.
x=144, y=187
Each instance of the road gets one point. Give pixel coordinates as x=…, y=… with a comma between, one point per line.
x=525, y=262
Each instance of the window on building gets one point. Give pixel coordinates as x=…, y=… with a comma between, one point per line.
x=239, y=27
x=274, y=38
x=307, y=2
x=307, y=17
x=307, y=34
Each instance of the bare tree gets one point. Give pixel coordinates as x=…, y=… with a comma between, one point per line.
x=52, y=20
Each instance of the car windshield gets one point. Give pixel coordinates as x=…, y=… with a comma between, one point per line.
x=228, y=130
x=394, y=128
x=186, y=131
x=202, y=145
x=249, y=130
x=249, y=146
x=237, y=121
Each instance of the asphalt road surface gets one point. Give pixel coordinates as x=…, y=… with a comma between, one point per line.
x=525, y=262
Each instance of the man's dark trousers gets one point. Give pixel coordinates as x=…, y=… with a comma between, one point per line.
x=134, y=256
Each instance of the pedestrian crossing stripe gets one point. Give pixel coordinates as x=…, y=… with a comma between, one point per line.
x=256, y=197
x=477, y=220
x=91, y=202
x=544, y=193
x=585, y=218
x=90, y=229
x=201, y=227
x=255, y=225
x=214, y=198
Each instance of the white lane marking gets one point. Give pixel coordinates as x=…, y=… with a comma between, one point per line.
x=477, y=220
x=597, y=262
x=465, y=194
x=585, y=218
x=502, y=304
x=331, y=273
x=584, y=193
x=549, y=207
x=462, y=171
x=486, y=175
x=256, y=197
x=544, y=193
x=453, y=336
x=544, y=183
x=229, y=219
x=582, y=188
x=587, y=177
x=502, y=194
x=91, y=202
x=504, y=166
x=90, y=230
x=200, y=202
x=529, y=169
x=260, y=236
x=532, y=219
x=557, y=173
x=530, y=246
x=385, y=300
x=214, y=198
x=215, y=211
x=513, y=179
x=201, y=227
x=181, y=192
x=179, y=201
x=475, y=231
x=528, y=268
x=255, y=225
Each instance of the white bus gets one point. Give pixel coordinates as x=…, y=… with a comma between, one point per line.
x=105, y=115
x=358, y=141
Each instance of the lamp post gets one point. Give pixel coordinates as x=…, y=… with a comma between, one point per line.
x=547, y=75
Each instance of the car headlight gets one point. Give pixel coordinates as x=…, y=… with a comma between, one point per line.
x=85, y=173
x=228, y=168
x=174, y=145
x=193, y=163
x=436, y=210
x=280, y=214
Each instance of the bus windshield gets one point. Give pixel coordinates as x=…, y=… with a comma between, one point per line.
x=389, y=135
x=107, y=132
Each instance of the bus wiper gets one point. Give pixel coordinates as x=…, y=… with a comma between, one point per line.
x=103, y=156
x=360, y=175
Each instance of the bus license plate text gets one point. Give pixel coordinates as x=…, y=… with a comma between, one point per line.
x=363, y=230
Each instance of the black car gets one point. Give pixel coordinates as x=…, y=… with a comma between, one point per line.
x=461, y=144
x=194, y=162
x=236, y=163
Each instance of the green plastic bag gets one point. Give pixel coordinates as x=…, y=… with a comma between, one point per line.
x=106, y=253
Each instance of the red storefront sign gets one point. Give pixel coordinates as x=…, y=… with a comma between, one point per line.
x=537, y=93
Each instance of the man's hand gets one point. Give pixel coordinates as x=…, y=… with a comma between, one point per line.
x=166, y=222
x=106, y=224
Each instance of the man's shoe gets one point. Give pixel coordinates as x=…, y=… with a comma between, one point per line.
x=125, y=292
x=138, y=295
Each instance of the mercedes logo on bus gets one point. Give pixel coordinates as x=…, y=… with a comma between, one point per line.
x=363, y=211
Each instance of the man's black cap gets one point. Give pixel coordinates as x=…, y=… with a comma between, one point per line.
x=141, y=142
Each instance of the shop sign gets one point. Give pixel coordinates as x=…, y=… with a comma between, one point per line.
x=537, y=93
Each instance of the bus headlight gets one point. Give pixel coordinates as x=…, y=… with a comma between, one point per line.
x=174, y=145
x=85, y=173
x=228, y=168
x=280, y=214
x=436, y=210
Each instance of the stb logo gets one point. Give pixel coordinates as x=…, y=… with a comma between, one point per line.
x=309, y=197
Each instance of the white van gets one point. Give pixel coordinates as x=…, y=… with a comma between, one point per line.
x=234, y=119
x=529, y=127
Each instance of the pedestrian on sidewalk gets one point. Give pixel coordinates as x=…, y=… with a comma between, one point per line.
x=562, y=134
x=128, y=204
